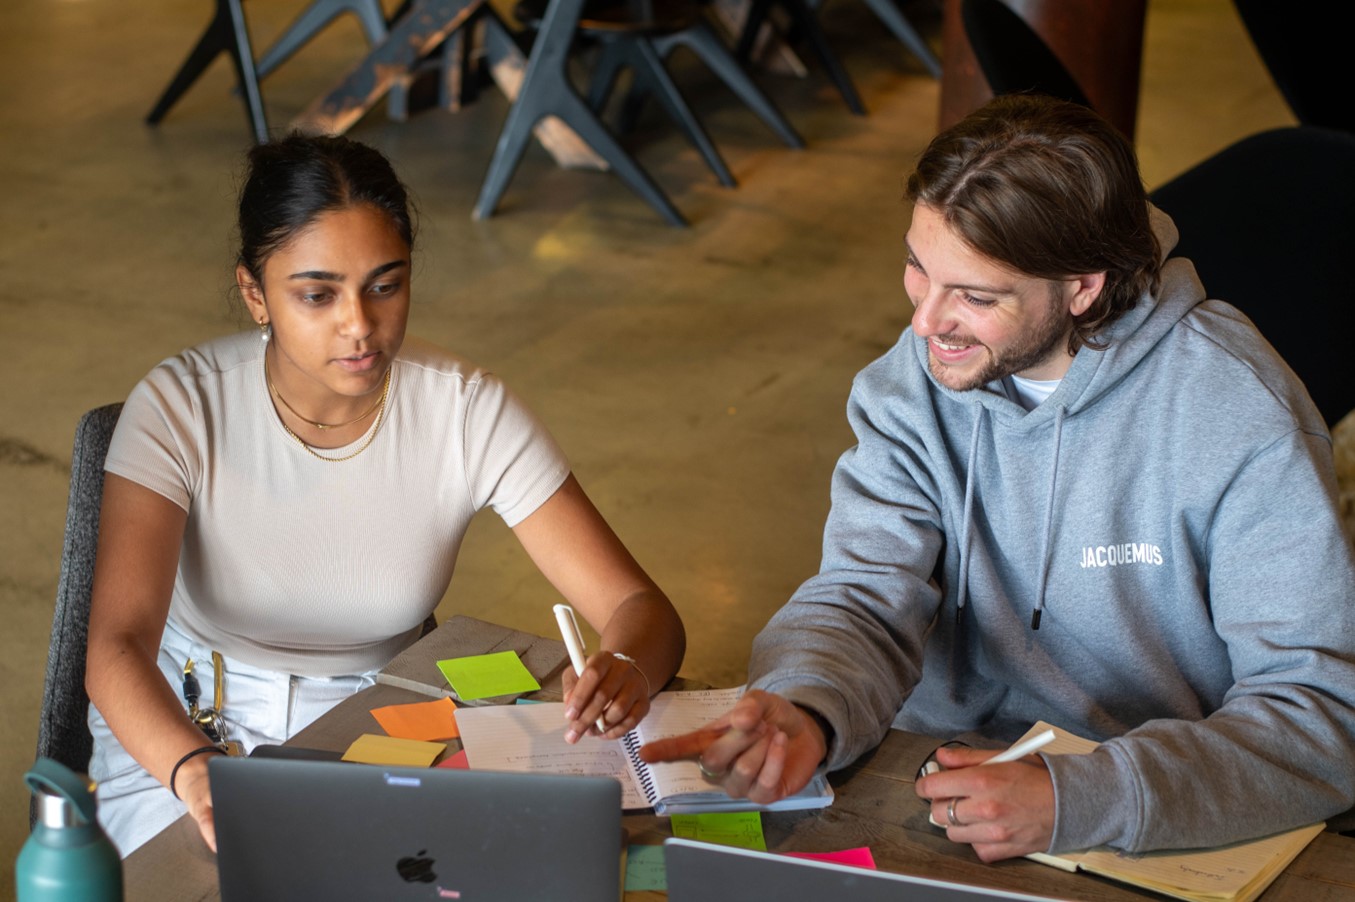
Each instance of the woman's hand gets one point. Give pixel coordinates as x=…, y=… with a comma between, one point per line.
x=194, y=791
x=611, y=690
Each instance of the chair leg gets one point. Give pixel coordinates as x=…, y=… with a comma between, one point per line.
x=702, y=41
x=662, y=86
x=611, y=60
x=889, y=13
x=546, y=91
x=803, y=19
x=226, y=33
x=312, y=20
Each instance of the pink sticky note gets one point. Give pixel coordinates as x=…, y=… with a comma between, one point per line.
x=456, y=762
x=860, y=858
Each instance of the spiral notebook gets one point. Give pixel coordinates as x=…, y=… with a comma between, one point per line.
x=530, y=739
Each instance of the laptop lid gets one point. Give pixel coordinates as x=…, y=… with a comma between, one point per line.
x=701, y=872
x=291, y=829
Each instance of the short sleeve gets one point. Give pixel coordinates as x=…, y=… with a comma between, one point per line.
x=513, y=464
x=158, y=442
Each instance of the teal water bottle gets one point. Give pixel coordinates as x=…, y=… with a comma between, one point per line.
x=67, y=857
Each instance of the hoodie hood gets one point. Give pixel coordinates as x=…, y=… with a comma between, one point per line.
x=1094, y=374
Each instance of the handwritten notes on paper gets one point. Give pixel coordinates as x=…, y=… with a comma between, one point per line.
x=530, y=739
x=419, y=720
x=369, y=748
x=742, y=829
x=487, y=676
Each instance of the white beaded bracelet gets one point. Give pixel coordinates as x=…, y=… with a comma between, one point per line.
x=631, y=661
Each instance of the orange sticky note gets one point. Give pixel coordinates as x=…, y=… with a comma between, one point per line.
x=419, y=720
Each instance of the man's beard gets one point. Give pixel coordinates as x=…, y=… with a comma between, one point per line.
x=1033, y=350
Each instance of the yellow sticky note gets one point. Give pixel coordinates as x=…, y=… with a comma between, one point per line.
x=419, y=720
x=735, y=828
x=486, y=676
x=369, y=748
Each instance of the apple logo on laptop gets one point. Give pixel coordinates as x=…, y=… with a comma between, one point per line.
x=416, y=868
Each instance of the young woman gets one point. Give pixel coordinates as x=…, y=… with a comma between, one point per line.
x=290, y=502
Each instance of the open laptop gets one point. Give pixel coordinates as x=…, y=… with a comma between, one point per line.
x=701, y=872
x=295, y=829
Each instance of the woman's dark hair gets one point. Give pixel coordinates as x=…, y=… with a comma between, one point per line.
x=1050, y=189
x=292, y=181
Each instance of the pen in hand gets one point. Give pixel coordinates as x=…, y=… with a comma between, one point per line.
x=569, y=631
x=1015, y=753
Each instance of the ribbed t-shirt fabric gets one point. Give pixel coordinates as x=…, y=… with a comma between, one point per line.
x=314, y=567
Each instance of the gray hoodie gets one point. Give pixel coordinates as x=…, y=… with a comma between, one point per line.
x=1168, y=515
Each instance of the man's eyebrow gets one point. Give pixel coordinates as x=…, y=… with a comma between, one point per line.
x=327, y=276
x=982, y=289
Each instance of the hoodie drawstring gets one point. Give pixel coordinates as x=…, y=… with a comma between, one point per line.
x=1048, y=521
x=962, y=591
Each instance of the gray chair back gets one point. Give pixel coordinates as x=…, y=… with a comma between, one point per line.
x=63, y=733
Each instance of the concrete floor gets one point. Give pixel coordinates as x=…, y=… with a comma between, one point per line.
x=696, y=377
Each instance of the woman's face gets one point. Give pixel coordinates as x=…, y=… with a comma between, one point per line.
x=337, y=296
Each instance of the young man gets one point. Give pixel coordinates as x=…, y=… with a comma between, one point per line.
x=1083, y=494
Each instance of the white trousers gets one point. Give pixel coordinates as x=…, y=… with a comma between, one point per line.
x=262, y=707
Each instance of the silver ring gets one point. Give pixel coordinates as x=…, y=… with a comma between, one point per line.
x=709, y=774
x=950, y=814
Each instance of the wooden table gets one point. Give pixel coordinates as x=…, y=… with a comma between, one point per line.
x=875, y=807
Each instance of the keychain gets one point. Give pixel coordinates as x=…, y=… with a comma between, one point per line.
x=209, y=720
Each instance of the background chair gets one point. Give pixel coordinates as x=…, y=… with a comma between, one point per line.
x=1305, y=53
x=546, y=90
x=227, y=33
x=63, y=733
x=639, y=35
x=1015, y=59
x=804, y=19
x=1269, y=223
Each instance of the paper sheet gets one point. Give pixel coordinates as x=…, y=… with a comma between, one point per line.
x=419, y=720
x=742, y=829
x=369, y=748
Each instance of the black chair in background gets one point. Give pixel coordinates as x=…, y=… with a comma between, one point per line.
x=1015, y=59
x=228, y=33
x=1305, y=53
x=804, y=20
x=63, y=731
x=546, y=90
x=639, y=35
x=1269, y=223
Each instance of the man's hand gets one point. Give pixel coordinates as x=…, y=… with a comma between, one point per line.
x=764, y=748
x=1003, y=810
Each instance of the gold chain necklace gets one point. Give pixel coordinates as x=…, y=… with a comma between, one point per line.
x=380, y=407
x=323, y=426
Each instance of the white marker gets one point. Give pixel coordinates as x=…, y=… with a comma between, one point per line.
x=569, y=631
x=1022, y=749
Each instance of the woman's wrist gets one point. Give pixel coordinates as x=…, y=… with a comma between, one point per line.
x=649, y=690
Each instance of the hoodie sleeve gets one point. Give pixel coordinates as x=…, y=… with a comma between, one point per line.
x=849, y=642
x=1280, y=751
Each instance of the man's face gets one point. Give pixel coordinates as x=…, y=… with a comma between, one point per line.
x=982, y=320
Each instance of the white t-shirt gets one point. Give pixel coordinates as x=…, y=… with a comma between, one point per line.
x=308, y=566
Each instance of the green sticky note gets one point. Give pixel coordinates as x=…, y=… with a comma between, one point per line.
x=645, y=869
x=735, y=828
x=485, y=676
